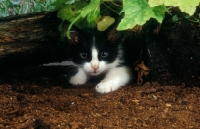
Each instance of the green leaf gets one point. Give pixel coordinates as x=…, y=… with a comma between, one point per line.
x=92, y=17
x=70, y=26
x=105, y=22
x=159, y=12
x=188, y=6
x=58, y=3
x=137, y=12
x=69, y=12
x=92, y=7
x=175, y=18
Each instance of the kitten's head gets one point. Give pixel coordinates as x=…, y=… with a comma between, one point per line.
x=96, y=51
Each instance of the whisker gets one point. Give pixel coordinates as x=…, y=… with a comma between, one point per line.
x=71, y=72
x=103, y=42
x=82, y=40
x=93, y=40
x=69, y=67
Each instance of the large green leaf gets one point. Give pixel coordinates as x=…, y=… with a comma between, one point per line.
x=137, y=12
x=188, y=6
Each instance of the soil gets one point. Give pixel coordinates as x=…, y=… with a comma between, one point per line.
x=38, y=97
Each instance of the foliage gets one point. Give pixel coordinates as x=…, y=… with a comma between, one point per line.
x=188, y=6
x=88, y=13
x=134, y=12
x=74, y=12
x=69, y=12
x=137, y=12
x=17, y=7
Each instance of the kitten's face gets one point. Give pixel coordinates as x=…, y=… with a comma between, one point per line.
x=94, y=51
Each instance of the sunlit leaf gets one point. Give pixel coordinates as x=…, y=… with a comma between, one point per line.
x=92, y=6
x=92, y=17
x=69, y=12
x=82, y=13
x=137, y=12
x=105, y=22
x=188, y=6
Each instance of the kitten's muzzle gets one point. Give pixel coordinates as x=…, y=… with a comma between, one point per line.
x=95, y=68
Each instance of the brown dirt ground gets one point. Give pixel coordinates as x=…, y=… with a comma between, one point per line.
x=38, y=97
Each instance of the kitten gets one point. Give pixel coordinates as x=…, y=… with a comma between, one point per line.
x=95, y=53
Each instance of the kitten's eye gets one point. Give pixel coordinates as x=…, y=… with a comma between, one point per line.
x=104, y=54
x=83, y=55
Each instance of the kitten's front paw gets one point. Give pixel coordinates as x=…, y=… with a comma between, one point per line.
x=106, y=87
x=79, y=79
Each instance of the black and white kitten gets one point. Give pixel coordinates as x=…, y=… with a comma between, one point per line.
x=96, y=52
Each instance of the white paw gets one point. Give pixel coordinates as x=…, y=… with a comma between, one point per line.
x=115, y=78
x=106, y=87
x=79, y=79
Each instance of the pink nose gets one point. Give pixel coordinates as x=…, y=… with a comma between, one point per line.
x=95, y=67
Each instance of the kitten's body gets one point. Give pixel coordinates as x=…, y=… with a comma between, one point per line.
x=95, y=53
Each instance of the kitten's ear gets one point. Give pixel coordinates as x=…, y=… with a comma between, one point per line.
x=74, y=35
x=115, y=36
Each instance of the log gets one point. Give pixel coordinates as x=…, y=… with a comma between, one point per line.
x=17, y=33
x=174, y=53
x=29, y=40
